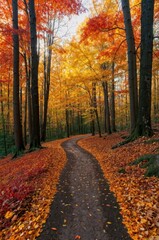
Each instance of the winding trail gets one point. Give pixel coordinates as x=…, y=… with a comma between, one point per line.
x=83, y=208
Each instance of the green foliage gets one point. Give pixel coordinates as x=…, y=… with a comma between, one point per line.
x=121, y=170
x=150, y=141
x=149, y=161
x=6, y=144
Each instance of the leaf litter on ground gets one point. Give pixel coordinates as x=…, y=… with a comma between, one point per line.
x=27, y=188
x=137, y=195
x=28, y=185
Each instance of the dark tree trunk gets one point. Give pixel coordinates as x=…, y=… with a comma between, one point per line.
x=112, y=102
x=67, y=123
x=28, y=91
x=35, y=137
x=132, y=68
x=94, y=104
x=92, y=123
x=79, y=116
x=16, y=103
x=8, y=109
x=107, y=127
x=143, y=127
x=3, y=122
x=25, y=115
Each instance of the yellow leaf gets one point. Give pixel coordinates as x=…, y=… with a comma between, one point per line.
x=9, y=214
x=21, y=226
x=143, y=220
x=109, y=222
x=36, y=225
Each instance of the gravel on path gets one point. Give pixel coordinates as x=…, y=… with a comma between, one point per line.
x=83, y=208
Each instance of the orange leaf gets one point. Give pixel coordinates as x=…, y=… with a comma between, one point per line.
x=77, y=237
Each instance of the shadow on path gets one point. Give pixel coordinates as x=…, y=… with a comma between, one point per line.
x=83, y=208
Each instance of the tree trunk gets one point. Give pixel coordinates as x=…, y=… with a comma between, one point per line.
x=46, y=94
x=112, y=101
x=143, y=127
x=92, y=123
x=67, y=123
x=8, y=109
x=35, y=137
x=16, y=105
x=47, y=69
x=132, y=68
x=3, y=122
x=25, y=115
x=94, y=103
x=106, y=108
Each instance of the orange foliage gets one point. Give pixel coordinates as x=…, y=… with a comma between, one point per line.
x=137, y=195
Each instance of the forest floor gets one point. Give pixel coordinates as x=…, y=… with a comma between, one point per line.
x=29, y=184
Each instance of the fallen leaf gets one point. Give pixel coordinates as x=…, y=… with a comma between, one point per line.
x=9, y=214
x=77, y=237
x=109, y=223
x=54, y=229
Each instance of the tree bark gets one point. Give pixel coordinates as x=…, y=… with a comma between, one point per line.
x=47, y=69
x=92, y=123
x=106, y=108
x=143, y=127
x=94, y=103
x=8, y=109
x=132, y=68
x=46, y=94
x=112, y=101
x=3, y=122
x=16, y=103
x=35, y=141
x=67, y=123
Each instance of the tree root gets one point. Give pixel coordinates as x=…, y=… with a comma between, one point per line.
x=131, y=138
x=151, y=162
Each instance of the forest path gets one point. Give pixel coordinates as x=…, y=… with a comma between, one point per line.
x=83, y=208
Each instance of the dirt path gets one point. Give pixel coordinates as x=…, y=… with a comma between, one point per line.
x=83, y=208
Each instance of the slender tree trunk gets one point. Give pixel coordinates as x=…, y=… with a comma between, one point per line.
x=47, y=69
x=29, y=101
x=46, y=94
x=132, y=68
x=8, y=109
x=35, y=141
x=3, y=121
x=16, y=104
x=106, y=108
x=25, y=115
x=92, y=123
x=112, y=101
x=67, y=123
x=94, y=103
x=144, y=116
